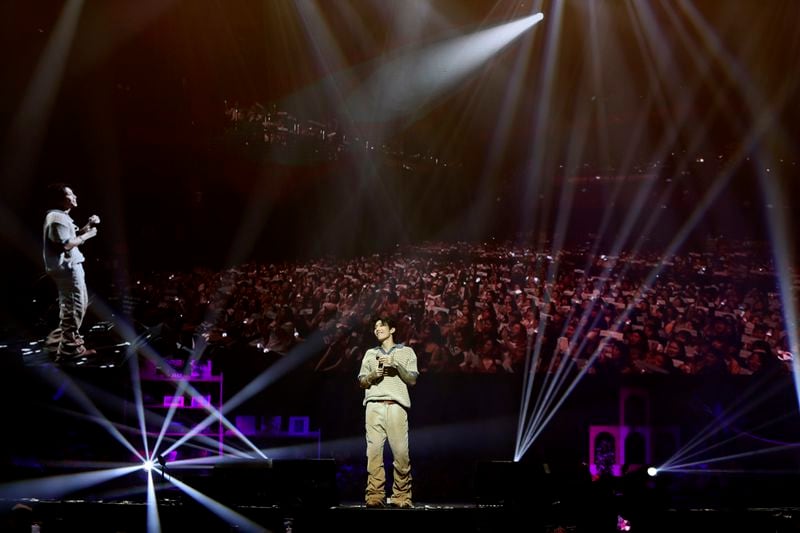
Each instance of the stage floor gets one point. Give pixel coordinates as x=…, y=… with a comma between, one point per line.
x=124, y=517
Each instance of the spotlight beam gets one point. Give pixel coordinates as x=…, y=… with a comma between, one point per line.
x=754, y=471
x=535, y=165
x=753, y=453
x=783, y=253
x=685, y=456
x=533, y=349
x=56, y=378
x=153, y=521
x=54, y=487
x=558, y=380
x=552, y=382
x=387, y=94
x=211, y=444
x=181, y=386
x=137, y=399
x=227, y=514
x=101, y=308
x=28, y=127
x=684, y=109
x=658, y=56
x=297, y=356
x=728, y=417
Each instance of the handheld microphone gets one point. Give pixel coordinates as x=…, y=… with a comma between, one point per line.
x=380, y=364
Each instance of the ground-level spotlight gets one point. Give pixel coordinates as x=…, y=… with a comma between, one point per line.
x=652, y=471
x=147, y=465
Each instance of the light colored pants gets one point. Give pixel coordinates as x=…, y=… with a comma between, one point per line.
x=387, y=422
x=72, y=302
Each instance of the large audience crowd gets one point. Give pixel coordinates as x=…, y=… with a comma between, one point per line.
x=491, y=308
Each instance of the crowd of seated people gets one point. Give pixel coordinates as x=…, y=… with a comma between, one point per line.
x=492, y=308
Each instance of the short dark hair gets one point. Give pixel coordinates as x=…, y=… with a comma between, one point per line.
x=385, y=320
x=54, y=195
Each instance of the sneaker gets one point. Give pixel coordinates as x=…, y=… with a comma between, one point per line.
x=403, y=504
x=374, y=504
x=81, y=353
x=52, y=342
x=55, y=340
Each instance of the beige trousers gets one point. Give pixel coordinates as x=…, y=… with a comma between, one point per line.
x=387, y=421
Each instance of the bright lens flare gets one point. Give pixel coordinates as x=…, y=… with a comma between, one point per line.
x=393, y=91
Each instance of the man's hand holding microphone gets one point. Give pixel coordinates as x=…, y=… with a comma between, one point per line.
x=90, y=229
x=384, y=362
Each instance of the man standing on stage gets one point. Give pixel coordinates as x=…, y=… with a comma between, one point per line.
x=63, y=261
x=386, y=372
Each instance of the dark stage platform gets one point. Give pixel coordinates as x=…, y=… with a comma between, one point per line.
x=124, y=517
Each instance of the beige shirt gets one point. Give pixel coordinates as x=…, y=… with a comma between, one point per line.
x=59, y=229
x=391, y=387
